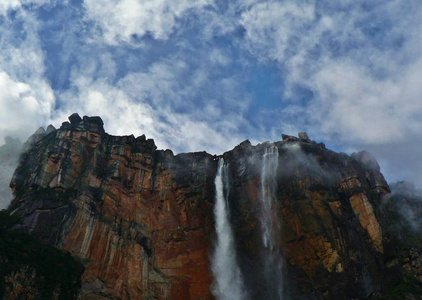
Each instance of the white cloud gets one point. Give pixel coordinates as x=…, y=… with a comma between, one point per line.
x=367, y=110
x=331, y=53
x=19, y=103
x=272, y=26
x=169, y=129
x=6, y=5
x=26, y=99
x=121, y=19
x=168, y=102
x=360, y=60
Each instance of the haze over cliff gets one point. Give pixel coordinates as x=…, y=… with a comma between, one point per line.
x=9, y=159
x=295, y=219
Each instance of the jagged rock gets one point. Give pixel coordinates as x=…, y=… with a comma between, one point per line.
x=322, y=145
x=141, y=138
x=35, y=137
x=367, y=159
x=245, y=144
x=50, y=129
x=94, y=120
x=92, y=194
x=40, y=131
x=75, y=118
x=373, y=175
x=286, y=138
x=304, y=136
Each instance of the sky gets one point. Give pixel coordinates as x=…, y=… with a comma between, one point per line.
x=208, y=74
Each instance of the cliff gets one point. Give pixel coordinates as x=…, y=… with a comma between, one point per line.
x=141, y=220
x=328, y=231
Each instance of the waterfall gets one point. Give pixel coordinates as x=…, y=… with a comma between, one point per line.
x=268, y=184
x=270, y=224
x=228, y=282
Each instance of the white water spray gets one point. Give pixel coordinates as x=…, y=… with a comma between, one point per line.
x=228, y=282
x=268, y=184
x=270, y=224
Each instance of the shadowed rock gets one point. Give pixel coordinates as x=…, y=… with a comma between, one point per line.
x=75, y=118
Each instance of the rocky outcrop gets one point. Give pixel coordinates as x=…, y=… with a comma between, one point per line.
x=331, y=237
x=141, y=219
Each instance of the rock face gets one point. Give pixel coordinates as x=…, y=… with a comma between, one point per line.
x=330, y=235
x=30, y=269
x=141, y=219
x=403, y=212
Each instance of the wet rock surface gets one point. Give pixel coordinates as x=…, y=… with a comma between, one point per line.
x=331, y=238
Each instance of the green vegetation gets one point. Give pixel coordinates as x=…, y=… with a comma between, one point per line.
x=409, y=286
x=400, y=213
x=55, y=195
x=55, y=271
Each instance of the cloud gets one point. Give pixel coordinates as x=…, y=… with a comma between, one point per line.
x=26, y=98
x=168, y=102
x=347, y=72
x=121, y=21
x=7, y=5
x=272, y=27
x=21, y=107
x=356, y=81
x=360, y=62
x=365, y=109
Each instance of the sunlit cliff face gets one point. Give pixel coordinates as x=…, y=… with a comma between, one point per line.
x=305, y=221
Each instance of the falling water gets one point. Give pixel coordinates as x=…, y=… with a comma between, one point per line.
x=268, y=183
x=228, y=283
x=270, y=224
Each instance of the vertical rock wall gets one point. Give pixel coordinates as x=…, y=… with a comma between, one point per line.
x=141, y=219
x=331, y=239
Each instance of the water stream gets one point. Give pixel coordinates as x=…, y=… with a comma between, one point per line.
x=270, y=224
x=228, y=282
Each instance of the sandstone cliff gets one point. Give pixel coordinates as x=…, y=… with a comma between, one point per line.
x=141, y=219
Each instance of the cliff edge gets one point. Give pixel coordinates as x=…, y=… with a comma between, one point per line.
x=141, y=219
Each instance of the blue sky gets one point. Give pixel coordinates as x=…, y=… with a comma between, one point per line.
x=208, y=74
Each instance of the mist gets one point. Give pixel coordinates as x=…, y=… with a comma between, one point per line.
x=9, y=159
x=407, y=202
